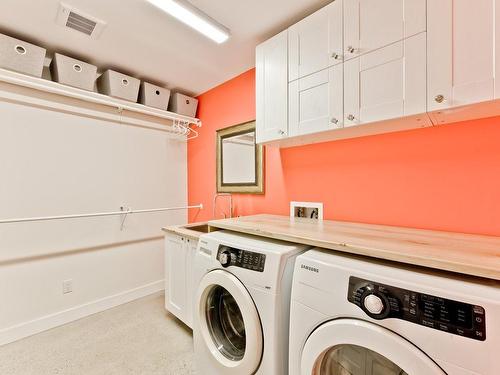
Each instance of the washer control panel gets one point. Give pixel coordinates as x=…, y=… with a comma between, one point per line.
x=381, y=301
x=230, y=256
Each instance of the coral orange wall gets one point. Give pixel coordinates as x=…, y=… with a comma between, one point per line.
x=444, y=178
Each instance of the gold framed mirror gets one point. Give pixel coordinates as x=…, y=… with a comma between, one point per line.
x=240, y=161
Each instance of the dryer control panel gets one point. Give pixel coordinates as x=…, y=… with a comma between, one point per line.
x=230, y=256
x=381, y=301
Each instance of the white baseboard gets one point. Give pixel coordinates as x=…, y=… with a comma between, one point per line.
x=44, y=323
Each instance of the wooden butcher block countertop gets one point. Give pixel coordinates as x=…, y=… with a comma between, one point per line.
x=468, y=254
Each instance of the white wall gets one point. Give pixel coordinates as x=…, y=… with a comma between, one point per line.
x=82, y=159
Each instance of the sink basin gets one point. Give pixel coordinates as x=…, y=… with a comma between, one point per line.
x=203, y=228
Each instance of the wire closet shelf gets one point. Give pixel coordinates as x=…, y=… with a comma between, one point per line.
x=181, y=125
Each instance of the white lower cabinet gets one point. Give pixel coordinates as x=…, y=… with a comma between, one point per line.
x=191, y=247
x=386, y=83
x=179, y=289
x=316, y=102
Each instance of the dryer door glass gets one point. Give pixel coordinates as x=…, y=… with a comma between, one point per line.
x=225, y=323
x=355, y=360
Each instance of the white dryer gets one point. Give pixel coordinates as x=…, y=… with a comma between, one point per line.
x=353, y=316
x=241, y=308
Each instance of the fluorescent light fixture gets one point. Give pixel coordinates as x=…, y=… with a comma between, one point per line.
x=193, y=17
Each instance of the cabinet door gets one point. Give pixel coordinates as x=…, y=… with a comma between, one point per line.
x=315, y=43
x=370, y=25
x=175, y=291
x=272, y=88
x=463, y=52
x=387, y=83
x=316, y=102
x=191, y=245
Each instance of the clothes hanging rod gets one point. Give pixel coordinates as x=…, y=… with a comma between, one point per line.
x=98, y=214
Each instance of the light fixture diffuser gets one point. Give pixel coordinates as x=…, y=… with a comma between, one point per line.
x=193, y=17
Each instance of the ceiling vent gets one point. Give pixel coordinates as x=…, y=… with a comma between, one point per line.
x=76, y=20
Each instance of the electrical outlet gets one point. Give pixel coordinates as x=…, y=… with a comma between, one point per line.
x=67, y=286
x=310, y=210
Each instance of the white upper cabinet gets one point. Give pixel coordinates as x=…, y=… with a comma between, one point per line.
x=387, y=83
x=316, y=102
x=315, y=43
x=356, y=62
x=463, y=52
x=372, y=24
x=272, y=88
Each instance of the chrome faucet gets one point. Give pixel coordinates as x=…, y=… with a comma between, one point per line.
x=217, y=195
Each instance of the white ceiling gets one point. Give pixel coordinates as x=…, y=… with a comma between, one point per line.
x=142, y=41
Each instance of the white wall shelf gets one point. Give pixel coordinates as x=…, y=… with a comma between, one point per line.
x=45, y=85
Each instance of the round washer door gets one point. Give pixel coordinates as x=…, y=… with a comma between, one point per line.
x=229, y=323
x=354, y=347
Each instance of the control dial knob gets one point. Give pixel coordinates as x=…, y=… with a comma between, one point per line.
x=374, y=304
x=226, y=258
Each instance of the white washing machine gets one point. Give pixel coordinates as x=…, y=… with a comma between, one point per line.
x=353, y=316
x=241, y=308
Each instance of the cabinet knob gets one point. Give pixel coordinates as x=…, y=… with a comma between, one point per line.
x=335, y=55
x=281, y=132
x=334, y=121
x=351, y=117
x=439, y=98
x=350, y=49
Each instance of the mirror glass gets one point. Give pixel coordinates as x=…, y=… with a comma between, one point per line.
x=239, y=160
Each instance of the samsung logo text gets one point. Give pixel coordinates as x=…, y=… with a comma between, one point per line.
x=309, y=268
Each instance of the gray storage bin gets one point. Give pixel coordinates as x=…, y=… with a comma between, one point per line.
x=183, y=104
x=73, y=72
x=21, y=56
x=119, y=85
x=154, y=96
